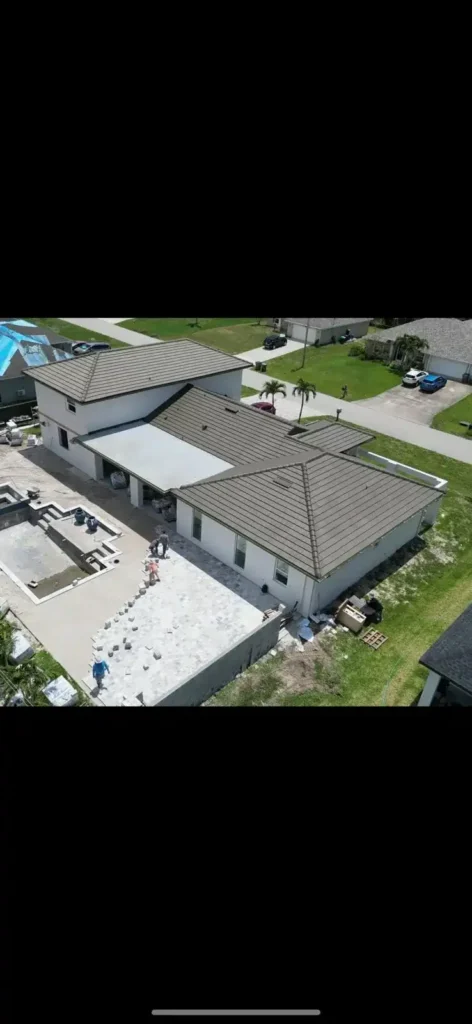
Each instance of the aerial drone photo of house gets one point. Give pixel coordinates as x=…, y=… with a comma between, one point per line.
x=290, y=516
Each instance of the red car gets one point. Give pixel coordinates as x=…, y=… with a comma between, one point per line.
x=264, y=407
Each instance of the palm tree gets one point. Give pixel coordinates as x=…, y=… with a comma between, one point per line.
x=271, y=389
x=305, y=391
x=409, y=348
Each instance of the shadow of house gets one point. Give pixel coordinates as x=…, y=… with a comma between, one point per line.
x=383, y=572
x=113, y=503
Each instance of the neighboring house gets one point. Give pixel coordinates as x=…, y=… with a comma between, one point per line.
x=449, y=344
x=322, y=330
x=449, y=661
x=286, y=505
x=22, y=345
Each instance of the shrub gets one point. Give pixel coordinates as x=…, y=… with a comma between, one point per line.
x=358, y=349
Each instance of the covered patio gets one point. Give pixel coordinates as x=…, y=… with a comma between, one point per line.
x=150, y=457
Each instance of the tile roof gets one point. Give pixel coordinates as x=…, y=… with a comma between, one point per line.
x=316, y=511
x=94, y=377
x=333, y=437
x=240, y=434
x=451, y=655
x=449, y=338
x=321, y=323
x=228, y=429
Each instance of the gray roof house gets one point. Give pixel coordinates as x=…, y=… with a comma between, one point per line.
x=449, y=343
x=290, y=506
x=105, y=375
x=321, y=330
x=449, y=661
x=304, y=507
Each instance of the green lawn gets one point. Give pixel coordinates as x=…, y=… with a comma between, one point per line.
x=71, y=332
x=31, y=676
x=330, y=367
x=231, y=334
x=420, y=601
x=449, y=419
x=248, y=392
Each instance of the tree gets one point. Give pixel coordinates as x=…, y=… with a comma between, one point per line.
x=409, y=348
x=271, y=389
x=305, y=391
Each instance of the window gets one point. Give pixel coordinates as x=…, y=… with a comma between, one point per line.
x=63, y=438
x=70, y=405
x=240, y=552
x=281, y=571
x=197, y=524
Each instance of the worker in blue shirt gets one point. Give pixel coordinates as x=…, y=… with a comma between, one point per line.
x=99, y=669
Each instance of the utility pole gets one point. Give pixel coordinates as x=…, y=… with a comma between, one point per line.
x=306, y=340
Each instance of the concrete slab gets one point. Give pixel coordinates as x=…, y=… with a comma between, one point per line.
x=30, y=554
x=415, y=405
x=198, y=610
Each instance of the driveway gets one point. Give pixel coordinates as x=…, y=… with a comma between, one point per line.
x=415, y=405
x=260, y=355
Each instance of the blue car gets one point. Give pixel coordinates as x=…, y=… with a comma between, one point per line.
x=433, y=383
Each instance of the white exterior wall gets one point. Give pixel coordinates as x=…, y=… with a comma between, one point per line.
x=348, y=574
x=447, y=367
x=75, y=454
x=100, y=415
x=220, y=542
x=115, y=411
x=358, y=330
x=228, y=384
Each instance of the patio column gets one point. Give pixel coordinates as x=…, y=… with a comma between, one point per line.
x=136, y=491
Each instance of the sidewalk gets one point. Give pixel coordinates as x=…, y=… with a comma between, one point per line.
x=111, y=330
x=374, y=422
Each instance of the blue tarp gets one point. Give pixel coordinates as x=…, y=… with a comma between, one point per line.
x=35, y=350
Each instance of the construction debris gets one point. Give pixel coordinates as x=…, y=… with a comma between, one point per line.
x=374, y=639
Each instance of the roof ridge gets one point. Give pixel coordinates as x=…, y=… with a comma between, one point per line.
x=311, y=522
x=95, y=356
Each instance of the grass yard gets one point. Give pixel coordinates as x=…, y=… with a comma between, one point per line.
x=248, y=392
x=231, y=334
x=449, y=419
x=421, y=599
x=331, y=367
x=71, y=332
x=31, y=676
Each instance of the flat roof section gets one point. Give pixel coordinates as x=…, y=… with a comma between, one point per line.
x=154, y=456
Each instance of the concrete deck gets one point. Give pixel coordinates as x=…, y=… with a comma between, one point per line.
x=199, y=609
x=67, y=625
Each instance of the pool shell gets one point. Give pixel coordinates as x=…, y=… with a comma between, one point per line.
x=90, y=555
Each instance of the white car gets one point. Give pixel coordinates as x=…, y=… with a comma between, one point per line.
x=413, y=378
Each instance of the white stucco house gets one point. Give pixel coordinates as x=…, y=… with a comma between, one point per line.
x=304, y=511
x=322, y=330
